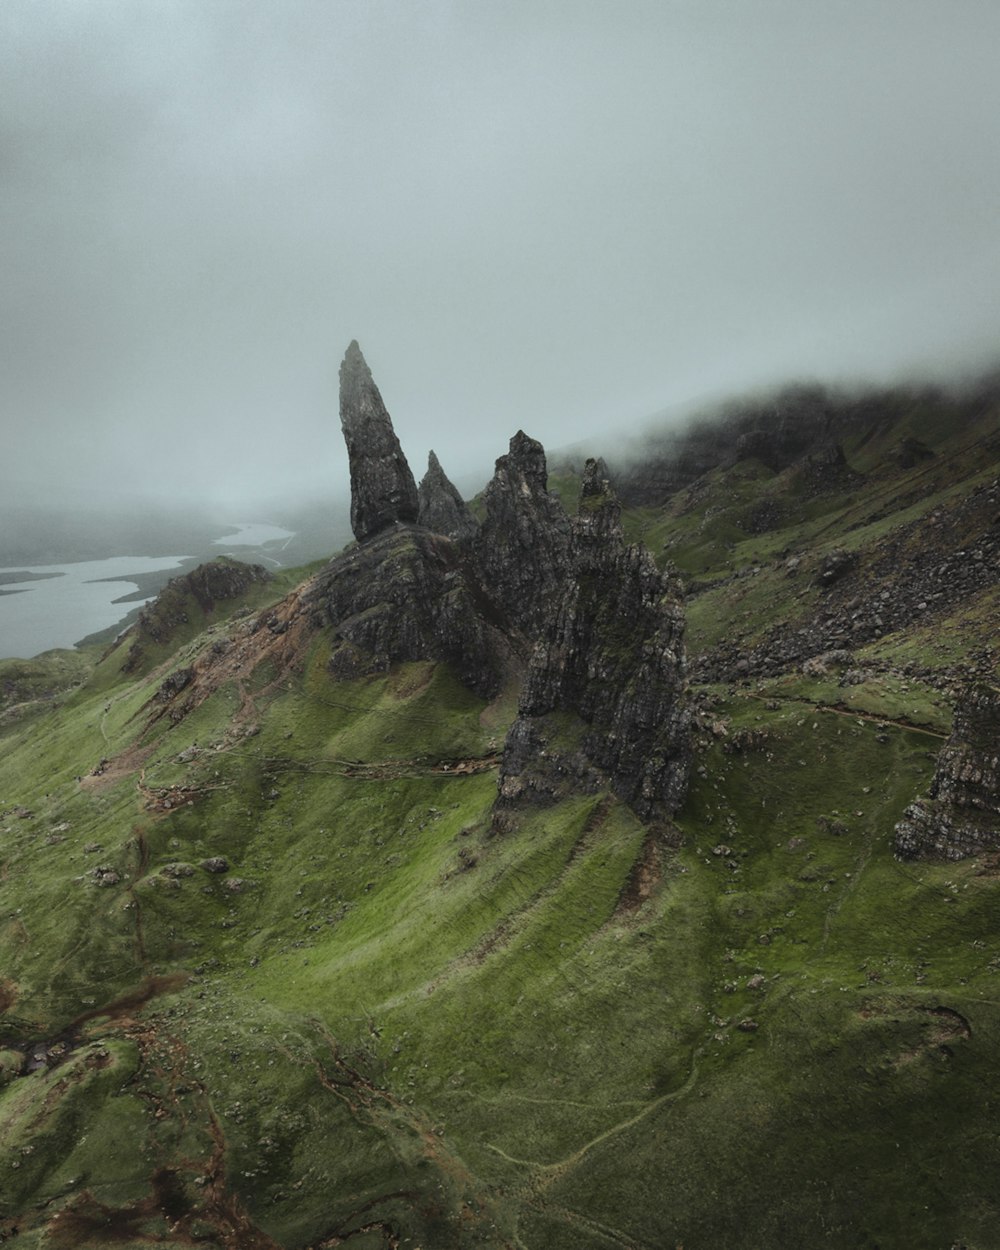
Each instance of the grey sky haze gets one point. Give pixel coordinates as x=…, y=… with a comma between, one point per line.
x=556, y=215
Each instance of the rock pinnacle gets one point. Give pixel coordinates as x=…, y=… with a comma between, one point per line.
x=382, y=487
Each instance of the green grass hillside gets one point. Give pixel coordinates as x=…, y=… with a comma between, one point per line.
x=268, y=979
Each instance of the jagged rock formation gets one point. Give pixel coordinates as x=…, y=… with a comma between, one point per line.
x=613, y=660
x=608, y=625
x=209, y=584
x=961, y=816
x=442, y=508
x=382, y=487
x=523, y=544
x=408, y=595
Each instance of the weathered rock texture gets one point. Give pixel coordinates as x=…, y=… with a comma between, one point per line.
x=919, y=571
x=603, y=697
x=523, y=544
x=961, y=816
x=602, y=701
x=408, y=595
x=382, y=487
x=198, y=591
x=442, y=508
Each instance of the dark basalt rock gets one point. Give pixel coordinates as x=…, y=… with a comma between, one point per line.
x=603, y=697
x=961, y=816
x=923, y=569
x=523, y=544
x=442, y=508
x=409, y=595
x=382, y=487
x=207, y=585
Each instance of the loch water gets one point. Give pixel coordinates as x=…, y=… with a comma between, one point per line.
x=59, y=604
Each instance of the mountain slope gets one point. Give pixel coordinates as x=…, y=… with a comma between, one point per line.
x=273, y=977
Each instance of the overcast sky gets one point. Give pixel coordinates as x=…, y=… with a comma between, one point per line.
x=556, y=214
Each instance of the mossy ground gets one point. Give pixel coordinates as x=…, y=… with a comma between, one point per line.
x=492, y=1040
x=399, y=1025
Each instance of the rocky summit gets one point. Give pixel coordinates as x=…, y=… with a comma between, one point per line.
x=612, y=656
x=442, y=508
x=608, y=860
x=523, y=543
x=382, y=487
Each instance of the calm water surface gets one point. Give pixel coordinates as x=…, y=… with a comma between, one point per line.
x=74, y=600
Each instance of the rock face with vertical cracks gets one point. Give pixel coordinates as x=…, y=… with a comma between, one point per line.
x=382, y=487
x=442, y=508
x=523, y=544
x=408, y=594
x=603, y=700
x=961, y=816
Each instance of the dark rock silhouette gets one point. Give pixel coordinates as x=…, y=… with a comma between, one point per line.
x=523, y=544
x=408, y=595
x=442, y=508
x=961, y=817
x=612, y=655
x=382, y=487
x=607, y=625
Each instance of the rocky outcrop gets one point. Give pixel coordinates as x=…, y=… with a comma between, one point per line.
x=603, y=700
x=920, y=571
x=442, y=508
x=522, y=547
x=196, y=592
x=382, y=487
x=408, y=594
x=961, y=816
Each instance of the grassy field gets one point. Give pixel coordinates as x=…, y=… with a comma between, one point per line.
x=276, y=982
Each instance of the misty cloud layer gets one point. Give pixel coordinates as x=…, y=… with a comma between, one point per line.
x=562, y=216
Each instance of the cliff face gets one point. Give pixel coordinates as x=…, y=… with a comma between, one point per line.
x=602, y=700
x=961, y=816
x=603, y=695
x=382, y=487
x=408, y=594
x=523, y=544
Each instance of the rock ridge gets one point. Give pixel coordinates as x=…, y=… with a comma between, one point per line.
x=961, y=815
x=612, y=660
x=522, y=547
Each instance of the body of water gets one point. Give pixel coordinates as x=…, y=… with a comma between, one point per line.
x=255, y=534
x=62, y=603
x=55, y=605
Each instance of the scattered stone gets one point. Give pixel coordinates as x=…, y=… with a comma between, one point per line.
x=215, y=863
x=237, y=885
x=177, y=869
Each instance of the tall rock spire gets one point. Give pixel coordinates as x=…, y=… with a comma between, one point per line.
x=382, y=487
x=523, y=544
x=442, y=508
